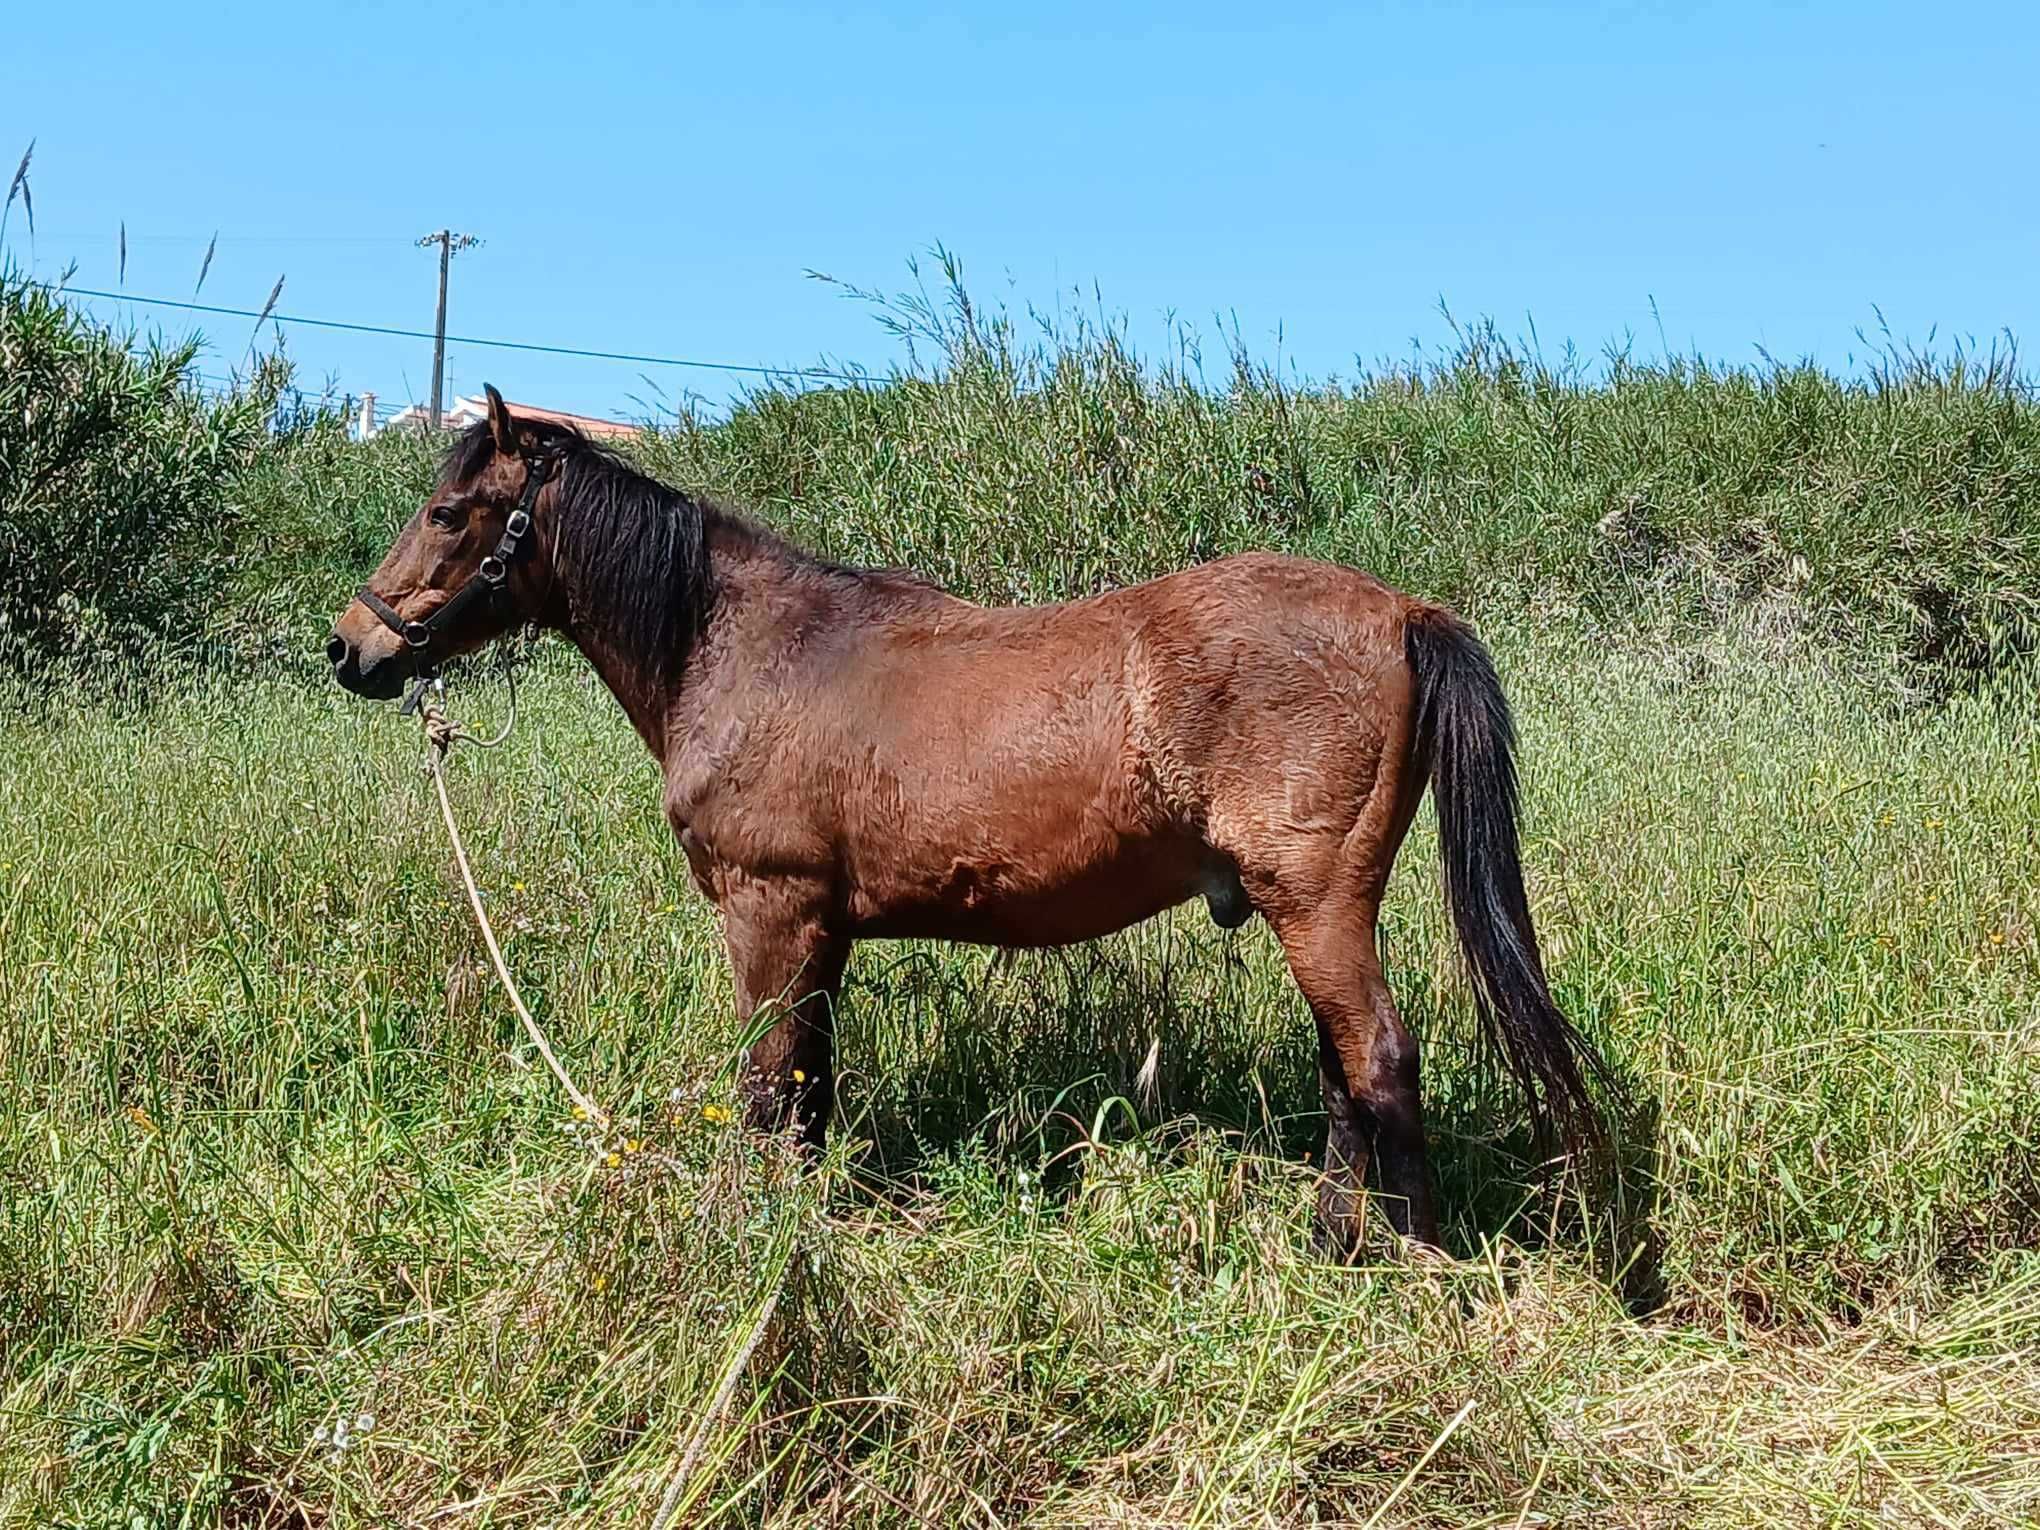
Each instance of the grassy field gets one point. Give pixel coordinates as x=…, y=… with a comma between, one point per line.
x=294, y=1233
x=276, y=1161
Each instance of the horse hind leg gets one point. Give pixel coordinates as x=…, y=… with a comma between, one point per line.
x=1367, y=1067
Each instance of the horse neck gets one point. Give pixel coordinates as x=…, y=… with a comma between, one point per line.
x=635, y=682
x=622, y=653
x=749, y=572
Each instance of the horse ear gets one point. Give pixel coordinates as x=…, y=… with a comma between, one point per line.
x=501, y=426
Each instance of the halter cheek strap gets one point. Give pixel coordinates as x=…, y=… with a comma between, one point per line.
x=489, y=581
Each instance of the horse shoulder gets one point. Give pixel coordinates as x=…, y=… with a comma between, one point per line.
x=734, y=789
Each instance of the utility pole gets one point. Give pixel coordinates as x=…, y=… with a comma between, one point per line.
x=449, y=244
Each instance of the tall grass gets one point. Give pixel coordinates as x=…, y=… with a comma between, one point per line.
x=292, y=1232
x=1888, y=521
x=275, y=1157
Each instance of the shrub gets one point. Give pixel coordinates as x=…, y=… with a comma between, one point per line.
x=113, y=471
x=1887, y=519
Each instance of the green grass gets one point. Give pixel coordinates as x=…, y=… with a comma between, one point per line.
x=274, y=1157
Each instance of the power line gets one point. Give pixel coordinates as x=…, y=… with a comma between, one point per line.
x=137, y=237
x=426, y=334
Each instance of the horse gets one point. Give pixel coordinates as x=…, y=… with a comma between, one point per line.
x=854, y=753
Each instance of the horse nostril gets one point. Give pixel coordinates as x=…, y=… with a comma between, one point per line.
x=336, y=648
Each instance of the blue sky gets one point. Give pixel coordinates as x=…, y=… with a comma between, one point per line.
x=659, y=178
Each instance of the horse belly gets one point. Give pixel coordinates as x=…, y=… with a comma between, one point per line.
x=1045, y=900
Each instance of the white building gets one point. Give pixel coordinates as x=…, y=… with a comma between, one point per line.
x=468, y=411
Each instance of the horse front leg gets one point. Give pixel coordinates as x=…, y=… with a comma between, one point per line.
x=787, y=964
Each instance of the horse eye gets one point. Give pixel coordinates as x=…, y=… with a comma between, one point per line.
x=443, y=517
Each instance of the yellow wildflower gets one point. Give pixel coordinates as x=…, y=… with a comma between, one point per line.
x=716, y=1113
x=634, y=1146
x=612, y=1159
x=799, y=1077
x=141, y=1118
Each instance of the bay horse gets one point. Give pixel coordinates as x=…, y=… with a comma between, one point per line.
x=852, y=753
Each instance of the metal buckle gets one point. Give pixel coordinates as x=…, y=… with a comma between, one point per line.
x=518, y=524
x=417, y=634
x=492, y=570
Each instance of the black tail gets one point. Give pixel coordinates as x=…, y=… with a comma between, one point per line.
x=1465, y=735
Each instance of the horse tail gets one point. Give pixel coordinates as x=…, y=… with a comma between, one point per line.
x=1466, y=738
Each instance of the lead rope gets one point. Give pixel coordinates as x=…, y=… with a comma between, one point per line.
x=442, y=733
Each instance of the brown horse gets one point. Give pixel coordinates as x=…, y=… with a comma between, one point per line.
x=852, y=753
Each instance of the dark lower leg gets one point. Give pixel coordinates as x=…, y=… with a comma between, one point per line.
x=1342, y=1203
x=1391, y=1101
x=1367, y=1061
x=790, y=1073
x=786, y=981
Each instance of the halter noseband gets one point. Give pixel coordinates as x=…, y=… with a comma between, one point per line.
x=489, y=580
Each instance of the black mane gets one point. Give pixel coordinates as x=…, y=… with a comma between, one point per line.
x=633, y=552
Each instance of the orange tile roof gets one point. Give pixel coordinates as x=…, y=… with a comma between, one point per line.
x=588, y=425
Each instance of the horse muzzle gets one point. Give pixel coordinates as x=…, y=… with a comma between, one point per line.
x=377, y=677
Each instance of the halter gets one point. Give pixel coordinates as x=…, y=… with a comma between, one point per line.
x=489, y=580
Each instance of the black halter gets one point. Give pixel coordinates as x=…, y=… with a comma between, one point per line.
x=490, y=580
